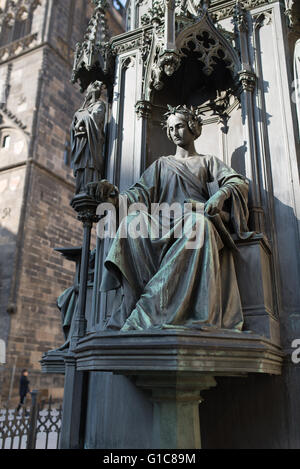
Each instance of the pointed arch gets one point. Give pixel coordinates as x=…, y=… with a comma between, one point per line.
x=210, y=44
x=201, y=42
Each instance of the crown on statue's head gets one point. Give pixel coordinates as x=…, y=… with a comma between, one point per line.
x=190, y=114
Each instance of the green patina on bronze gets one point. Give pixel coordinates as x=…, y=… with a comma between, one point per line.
x=164, y=282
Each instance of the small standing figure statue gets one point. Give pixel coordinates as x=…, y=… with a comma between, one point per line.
x=87, y=137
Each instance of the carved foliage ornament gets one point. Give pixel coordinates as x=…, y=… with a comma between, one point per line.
x=17, y=11
x=222, y=13
x=183, y=8
x=195, y=8
x=154, y=14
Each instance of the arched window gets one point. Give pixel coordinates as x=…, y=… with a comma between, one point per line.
x=13, y=145
x=15, y=25
x=7, y=30
x=22, y=24
x=19, y=29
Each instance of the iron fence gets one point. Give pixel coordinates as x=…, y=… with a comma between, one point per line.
x=13, y=429
x=35, y=428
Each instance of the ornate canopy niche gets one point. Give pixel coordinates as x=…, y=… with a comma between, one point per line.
x=201, y=42
x=202, y=70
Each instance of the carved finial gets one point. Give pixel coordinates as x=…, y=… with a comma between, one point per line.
x=198, y=8
x=88, y=53
x=240, y=17
x=100, y=3
x=205, y=4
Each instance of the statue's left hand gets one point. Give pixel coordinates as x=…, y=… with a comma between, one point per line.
x=214, y=205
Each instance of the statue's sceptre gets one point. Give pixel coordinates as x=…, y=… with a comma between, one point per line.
x=87, y=141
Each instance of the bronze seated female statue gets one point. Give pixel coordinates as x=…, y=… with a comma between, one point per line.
x=170, y=280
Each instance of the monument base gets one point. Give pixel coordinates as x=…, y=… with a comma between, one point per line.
x=176, y=398
x=215, y=351
x=150, y=383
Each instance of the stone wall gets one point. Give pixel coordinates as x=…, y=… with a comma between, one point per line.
x=42, y=99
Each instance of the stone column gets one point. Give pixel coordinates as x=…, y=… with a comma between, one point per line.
x=169, y=36
x=72, y=427
x=143, y=109
x=176, y=398
x=247, y=80
x=86, y=208
x=73, y=420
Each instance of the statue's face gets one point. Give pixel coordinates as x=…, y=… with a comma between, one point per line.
x=179, y=130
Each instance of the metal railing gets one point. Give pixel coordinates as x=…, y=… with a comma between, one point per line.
x=35, y=428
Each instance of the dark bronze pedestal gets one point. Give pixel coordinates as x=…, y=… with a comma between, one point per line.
x=172, y=367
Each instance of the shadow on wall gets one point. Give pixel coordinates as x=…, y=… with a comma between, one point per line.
x=238, y=159
x=245, y=413
x=7, y=254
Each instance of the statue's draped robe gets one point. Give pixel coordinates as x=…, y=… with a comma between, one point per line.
x=166, y=280
x=67, y=304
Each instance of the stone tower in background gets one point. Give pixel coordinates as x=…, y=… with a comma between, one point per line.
x=37, y=101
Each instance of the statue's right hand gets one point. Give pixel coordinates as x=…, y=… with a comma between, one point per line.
x=102, y=191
